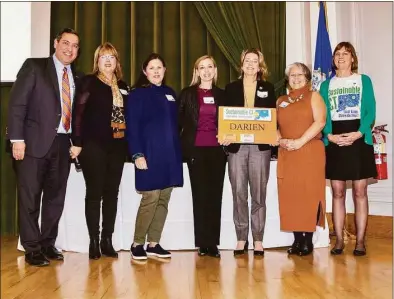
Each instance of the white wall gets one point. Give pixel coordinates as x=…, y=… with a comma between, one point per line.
x=15, y=37
x=374, y=37
x=25, y=30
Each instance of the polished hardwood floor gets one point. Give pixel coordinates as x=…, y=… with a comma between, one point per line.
x=187, y=275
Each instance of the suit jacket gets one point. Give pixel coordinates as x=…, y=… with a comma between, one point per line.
x=189, y=109
x=234, y=93
x=34, y=111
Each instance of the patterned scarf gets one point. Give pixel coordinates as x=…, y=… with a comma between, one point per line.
x=118, y=123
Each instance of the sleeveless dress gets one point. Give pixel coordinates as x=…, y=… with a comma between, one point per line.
x=300, y=173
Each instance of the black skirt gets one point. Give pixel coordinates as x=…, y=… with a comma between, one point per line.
x=354, y=162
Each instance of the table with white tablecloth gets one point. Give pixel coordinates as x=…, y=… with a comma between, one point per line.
x=178, y=231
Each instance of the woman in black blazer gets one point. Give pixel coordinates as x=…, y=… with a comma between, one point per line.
x=98, y=134
x=206, y=160
x=250, y=162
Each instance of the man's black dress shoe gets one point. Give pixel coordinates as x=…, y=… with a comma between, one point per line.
x=107, y=248
x=52, y=253
x=36, y=258
x=242, y=251
x=213, y=251
x=94, y=249
x=202, y=251
x=294, y=249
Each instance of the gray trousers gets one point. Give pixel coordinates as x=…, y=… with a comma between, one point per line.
x=249, y=165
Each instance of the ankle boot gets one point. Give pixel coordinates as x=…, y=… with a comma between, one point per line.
x=94, y=249
x=306, y=247
x=295, y=248
x=106, y=247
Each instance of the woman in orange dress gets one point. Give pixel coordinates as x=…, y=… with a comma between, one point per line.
x=301, y=159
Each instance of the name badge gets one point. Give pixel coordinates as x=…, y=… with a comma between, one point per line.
x=262, y=94
x=123, y=91
x=284, y=104
x=170, y=97
x=209, y=100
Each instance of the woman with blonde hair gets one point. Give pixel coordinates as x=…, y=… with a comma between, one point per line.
x=98, y=131
x=250, y=163
x=205, y=158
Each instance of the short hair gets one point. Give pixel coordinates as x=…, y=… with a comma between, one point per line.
x=305, y=70
x=66, y=30
x=196, y=78
x=142, y=80
x=348, y=47
x=262, y=74
x=107, y=48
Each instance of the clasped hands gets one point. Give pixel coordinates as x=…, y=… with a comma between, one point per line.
x=344, y=139
x=291, y=144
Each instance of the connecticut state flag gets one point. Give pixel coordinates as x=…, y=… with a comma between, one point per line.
x=323, y=55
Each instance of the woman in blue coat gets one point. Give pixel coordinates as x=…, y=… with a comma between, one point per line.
x=153, y=142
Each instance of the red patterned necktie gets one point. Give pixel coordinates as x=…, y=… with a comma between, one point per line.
x=66, y=101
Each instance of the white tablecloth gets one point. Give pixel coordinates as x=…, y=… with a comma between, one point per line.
x=178, y=230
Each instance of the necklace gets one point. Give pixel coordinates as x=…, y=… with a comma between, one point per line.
x=296, y=99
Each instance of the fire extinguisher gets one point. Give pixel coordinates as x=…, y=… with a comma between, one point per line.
x=379, y=146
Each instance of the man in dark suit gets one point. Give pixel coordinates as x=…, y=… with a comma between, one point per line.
x=39, y=119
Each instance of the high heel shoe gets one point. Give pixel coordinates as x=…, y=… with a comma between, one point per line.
x=338, y=250
x=360, y=252
x=242, y=251
x=257, y=252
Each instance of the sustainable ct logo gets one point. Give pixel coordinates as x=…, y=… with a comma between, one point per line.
x=262, y=114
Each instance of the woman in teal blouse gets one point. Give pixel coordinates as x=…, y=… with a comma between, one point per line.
x=350, y=100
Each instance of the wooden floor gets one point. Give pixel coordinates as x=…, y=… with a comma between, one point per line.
x=188, y=276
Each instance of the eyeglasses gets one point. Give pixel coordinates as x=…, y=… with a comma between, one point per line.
x=293, y=76
x=107, y=57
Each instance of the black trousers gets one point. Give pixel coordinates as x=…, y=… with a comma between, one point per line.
x=102, y=167
x=46, y=177
x=206, y=171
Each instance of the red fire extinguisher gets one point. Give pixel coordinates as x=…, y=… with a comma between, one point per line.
x=379, y=146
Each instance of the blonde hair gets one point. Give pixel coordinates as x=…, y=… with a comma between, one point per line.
x=262, y=74
x=107, y=48
x=196, y=78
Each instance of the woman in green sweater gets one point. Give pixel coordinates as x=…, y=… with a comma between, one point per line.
x=350, y=102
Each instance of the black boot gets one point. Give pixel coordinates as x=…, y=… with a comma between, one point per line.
x=295, y=248
x=106, y=247
x=94, y=249
x=307, y=245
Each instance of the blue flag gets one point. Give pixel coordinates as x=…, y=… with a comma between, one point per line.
x=322, y=68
